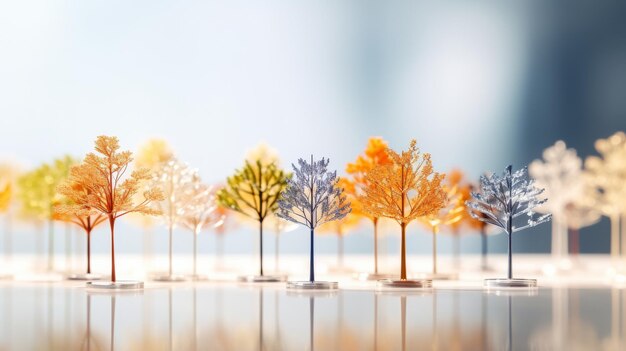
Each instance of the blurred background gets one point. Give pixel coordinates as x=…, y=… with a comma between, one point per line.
x=479, y=84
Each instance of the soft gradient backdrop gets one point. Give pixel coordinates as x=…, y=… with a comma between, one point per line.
x=478, y=84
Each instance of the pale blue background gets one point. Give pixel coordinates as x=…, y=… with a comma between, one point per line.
x=478, y=84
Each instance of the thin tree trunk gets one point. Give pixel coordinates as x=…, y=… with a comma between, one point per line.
x=574, y=241
x=195, y=252
x=435, y=231
x=50, y=245
x=340, y=251
x=509, y=231
x=403, y=252
x=311, y=260
x=171, y=229
x=483, y=244
x=88, y=251
x=261, y=248
x=375, y=245
x=276, y=247
x=112, y=226
x=614, y=236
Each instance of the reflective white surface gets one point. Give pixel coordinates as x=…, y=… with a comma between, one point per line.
x=561, y=315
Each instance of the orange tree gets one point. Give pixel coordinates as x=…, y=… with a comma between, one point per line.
x=107, y=190
x=375, y=154
x=404, y=189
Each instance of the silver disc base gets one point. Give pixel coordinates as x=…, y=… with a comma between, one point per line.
x=171, y=278
x=198, y=277
x=374, y=276
x=510, y=283
x=439, y=276
x=262, y=278
x=84, y=276
x=117, y=285
x=405, y=283
x=316, y=285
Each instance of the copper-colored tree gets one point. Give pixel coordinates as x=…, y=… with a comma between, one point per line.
x=403, y=190
x=375, y=154
x=81, y=215
x=108, y=191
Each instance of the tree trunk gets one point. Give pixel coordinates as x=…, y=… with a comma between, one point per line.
x=50, y=245
x=276, y=248
x=509, y=231
x=403, y=252
x=261, y=248
x=311, y=260
x=340, y=251
x=195, y=252
x=112, y=226
x=89, y=251
x=171, y=229
x=435, y=231
x=483, y=244
x=375, y=245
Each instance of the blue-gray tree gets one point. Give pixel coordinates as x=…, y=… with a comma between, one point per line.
x=313, y=198
x=508, y=202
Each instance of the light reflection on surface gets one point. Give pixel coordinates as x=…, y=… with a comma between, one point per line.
x=234, y=317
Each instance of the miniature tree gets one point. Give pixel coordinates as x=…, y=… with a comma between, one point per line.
x=503, y=199
x=279, y=226
x=253, y=191
x=79, y=214
x=578, y=214
x=221, y=227
x=450, y=214
x=560, y=173
x=375, y=154
x=405, y=189
x=112, y=194
x=173, y=178
x=199, y=211
x=606, y=176
x=483, y=229
x=455, y=179
x=38, y=195
x=151, y=154
x=342, y=226
x=313, y=198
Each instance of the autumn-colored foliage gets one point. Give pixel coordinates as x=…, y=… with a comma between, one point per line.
x=375, y=154
x=405, y=189
x=37, y=191
x=107, y=188
x=6, y=193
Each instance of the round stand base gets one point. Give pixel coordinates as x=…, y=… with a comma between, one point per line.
x=374, y=276
x=172, y=278
x=84, y=276
x=510, y=283
x=405, y=283
x=262, y=278
x=439, y=276
x=117, y=285
x=198, y=277
x=316, y=285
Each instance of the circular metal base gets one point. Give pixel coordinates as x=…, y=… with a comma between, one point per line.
x=172, y=278
x=374, y=276
x=198, y=277
x=117, y=285
x=262, y=278
x=316, y=285
x=439, y=276
x=510, y=283
x=84, y=276
x=405, y=283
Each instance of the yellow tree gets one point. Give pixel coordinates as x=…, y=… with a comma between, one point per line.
x=449, y=215
x=38, y=195
x=253, y=191
x=375, y=154
x=405, y=189
x=341, y=227
x=78, y=214
x=109, y=191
